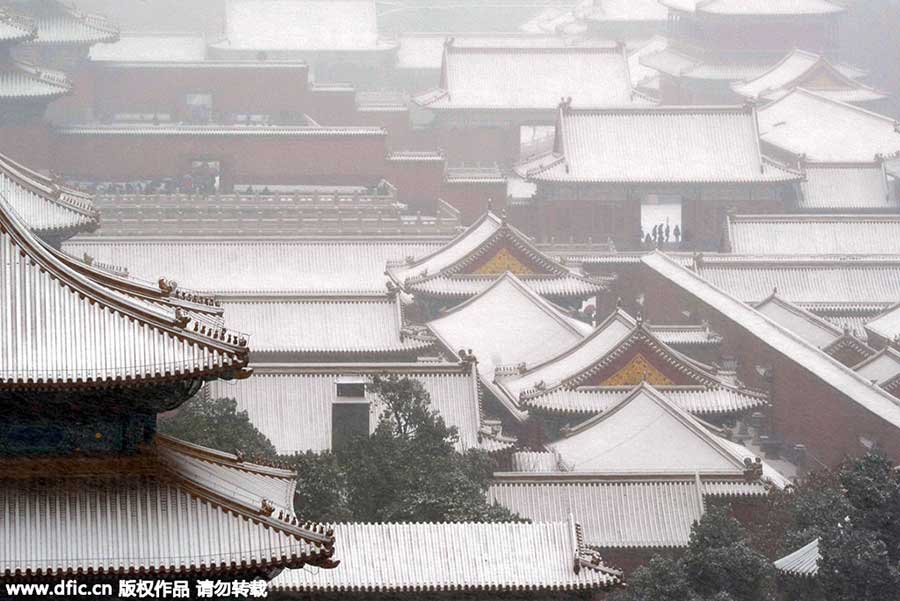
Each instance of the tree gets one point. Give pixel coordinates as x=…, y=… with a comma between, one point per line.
x=407, y=470
x=321, y=488
x=216, y=423
x=719, y=565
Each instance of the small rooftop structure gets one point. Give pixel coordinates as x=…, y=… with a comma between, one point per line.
x=882, y=368
x=504, y=556
x=292, y=404
x=684, y=61
x=50, y=210
x=810, y=126
x=425, y=50
x=848, y=187
x=703, y=144
x=814, y=235
x=803, y=562
x=488, y=248
x=624, y=11
x=884, y=329
x=801, y=69
x=516, y=78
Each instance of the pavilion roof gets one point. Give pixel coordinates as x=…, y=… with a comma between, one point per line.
x=795, y=123
x=303, y=25
x=49, y=210
x=277, y=266
x=846, y=187
x=519, y=78
x=851, y=385
x=291, y=404
x=73, y=330
x=564, y=382
x=469, y=264
x=61, y=23
x=503, y=556
x=23, y=82
x=324, y=325
x=802, y=562
x=159, y=498
x=15, y=28
x=756, y=7
x=810, y=71
x=813, y=235
x=507, y=323
x=701, y=144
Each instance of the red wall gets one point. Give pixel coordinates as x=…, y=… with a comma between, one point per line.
x=28, y=144
x=418, y=182
x=471, y=198
x=251, y=89
x=806, y=409
x=332, y=159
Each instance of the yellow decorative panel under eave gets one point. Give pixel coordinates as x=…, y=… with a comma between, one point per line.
x=636, y=371
x=502, y=262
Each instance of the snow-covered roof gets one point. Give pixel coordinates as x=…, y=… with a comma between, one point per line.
x=837, y=187
x=802, y=562
x=530, y=78
x=197, y=131
x=426, y=50
x=816, y=283
x=699, y=144
x=881, y=367
x=642, y=76
x=624, y=11
x=70, y=26
x=164, y=497
x=335, y=325
x=807, y=325
x=839, y=377
x=15, y=28
x=48, y=208
x=302, y=25
x=291, y=404
x=813, y=234
x=693, y=63
x=152, y=48
x=20, y=81
x=489, y=247
x=887, y=325
x=624, y=439
x=756, y=7
x=504, y=556
x=247, y=266
x=810, y=125
x=810, y=71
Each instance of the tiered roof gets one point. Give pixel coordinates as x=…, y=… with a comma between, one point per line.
x=15, y=28
x=20, y=82
x=257, y=267
x=811, y=126
x=656, y=145
x=630, y=495
x=851, y=385
x=302, y=25
x=64, y=328
x=755, y=7
x=802, y=562
x=153, y=513
x=843, y=187
x=503, y=556
x=291, y=404
x=332, y=326
x=61, y=23
x=814, y=235
x=590, y=375
x=49, y=210
x=801, y=69
x=488, y=248
x=530, y=78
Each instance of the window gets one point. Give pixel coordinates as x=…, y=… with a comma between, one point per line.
x=199, y=107
x=349, y=411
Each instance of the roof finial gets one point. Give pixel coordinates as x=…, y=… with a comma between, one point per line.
x=774, y=290
x=618, y=302
x=490, y=204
